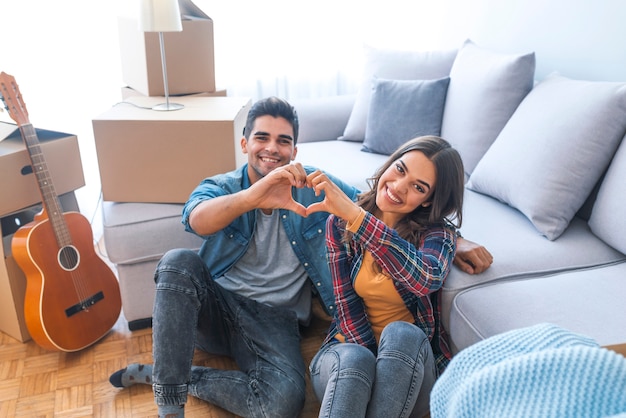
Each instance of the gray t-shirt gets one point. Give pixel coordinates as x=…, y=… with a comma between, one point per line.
x=270, y=272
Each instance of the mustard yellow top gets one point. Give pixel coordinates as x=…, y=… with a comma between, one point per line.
x=382, y=302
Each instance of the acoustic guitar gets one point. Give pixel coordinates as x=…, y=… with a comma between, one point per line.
x=72, y=296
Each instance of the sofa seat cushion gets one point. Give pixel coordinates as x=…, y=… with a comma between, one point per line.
x=586, y=301
x=135, y=232
x=343, y=159
x=519, y=251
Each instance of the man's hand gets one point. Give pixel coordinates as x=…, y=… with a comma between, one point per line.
x=472, y=258
x=274, y=190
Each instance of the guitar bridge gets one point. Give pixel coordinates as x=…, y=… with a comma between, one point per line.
x=84, y=305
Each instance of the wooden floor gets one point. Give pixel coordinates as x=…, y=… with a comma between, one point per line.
x=38, y=383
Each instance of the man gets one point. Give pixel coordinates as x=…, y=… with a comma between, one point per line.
x=249, y=288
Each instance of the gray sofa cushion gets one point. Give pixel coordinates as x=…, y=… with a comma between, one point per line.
x=519, y=251
x=136, y=235
x=607, y=220
x=135, y=232
x=393, y=65
x=563, y=299
x=485, y=89
x=401, y=110
x=554, y=149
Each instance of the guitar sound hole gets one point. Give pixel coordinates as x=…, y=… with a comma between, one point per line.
x=69, y=258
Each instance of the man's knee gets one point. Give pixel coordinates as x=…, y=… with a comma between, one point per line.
x=178, y=257
x=282, y=399
x=179, y=263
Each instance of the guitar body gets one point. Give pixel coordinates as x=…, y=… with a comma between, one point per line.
x=72, y=296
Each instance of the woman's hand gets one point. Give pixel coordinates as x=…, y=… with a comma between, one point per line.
x=335, y=200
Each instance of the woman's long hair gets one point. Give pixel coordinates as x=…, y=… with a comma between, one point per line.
x=447, y=197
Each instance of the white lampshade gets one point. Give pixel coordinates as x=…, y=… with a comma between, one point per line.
x=160, y=16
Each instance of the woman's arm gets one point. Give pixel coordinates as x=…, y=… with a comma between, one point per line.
x=350, y=317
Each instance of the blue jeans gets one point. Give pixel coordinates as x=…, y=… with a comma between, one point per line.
x=351, y=381
x=191, y=310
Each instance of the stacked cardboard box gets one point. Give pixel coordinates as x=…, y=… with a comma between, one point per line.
x=148, y=156
x=160, y=157
x=189, y=55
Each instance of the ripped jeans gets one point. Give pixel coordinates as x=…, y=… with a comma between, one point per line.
x=352, y=382
x=192, y=310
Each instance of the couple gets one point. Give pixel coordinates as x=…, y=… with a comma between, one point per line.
x=278, y=234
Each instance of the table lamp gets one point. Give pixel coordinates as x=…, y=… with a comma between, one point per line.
x=161, y=16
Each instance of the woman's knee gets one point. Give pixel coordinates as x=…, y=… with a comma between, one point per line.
x=352, y=360
x=402, y=333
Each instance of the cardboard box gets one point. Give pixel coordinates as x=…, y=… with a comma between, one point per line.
x=131, y=92
x=12, y=279
x=189, y=55
x=161, y=156
x=18, y=185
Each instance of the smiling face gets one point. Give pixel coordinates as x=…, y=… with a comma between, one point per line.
x=408, y=183
x=270, y=145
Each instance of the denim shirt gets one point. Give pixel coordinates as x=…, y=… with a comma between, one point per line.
x=221, y=250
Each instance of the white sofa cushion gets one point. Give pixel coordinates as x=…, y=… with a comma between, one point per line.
x=554, y=149
x=607, y=220
x=485, y=89
x=403, y=109
x=393, y=65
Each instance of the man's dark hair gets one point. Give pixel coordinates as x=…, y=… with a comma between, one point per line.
x=275, y=107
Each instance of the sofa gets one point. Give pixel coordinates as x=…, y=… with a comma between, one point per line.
x=544, y=162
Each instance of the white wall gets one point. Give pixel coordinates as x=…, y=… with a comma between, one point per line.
x=579, y=38
x=64, y=54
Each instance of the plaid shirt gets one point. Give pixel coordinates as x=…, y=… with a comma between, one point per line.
x=418, y=275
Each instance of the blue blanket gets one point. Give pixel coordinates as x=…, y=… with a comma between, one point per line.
x=539, y=371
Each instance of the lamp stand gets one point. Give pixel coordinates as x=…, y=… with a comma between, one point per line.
x=167, y=105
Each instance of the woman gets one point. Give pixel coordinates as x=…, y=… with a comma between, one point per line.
x=389, y=255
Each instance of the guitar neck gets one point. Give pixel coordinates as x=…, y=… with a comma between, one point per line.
x=46, y=187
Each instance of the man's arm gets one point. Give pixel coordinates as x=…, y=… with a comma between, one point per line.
x=471, y=257
x=270, y=192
